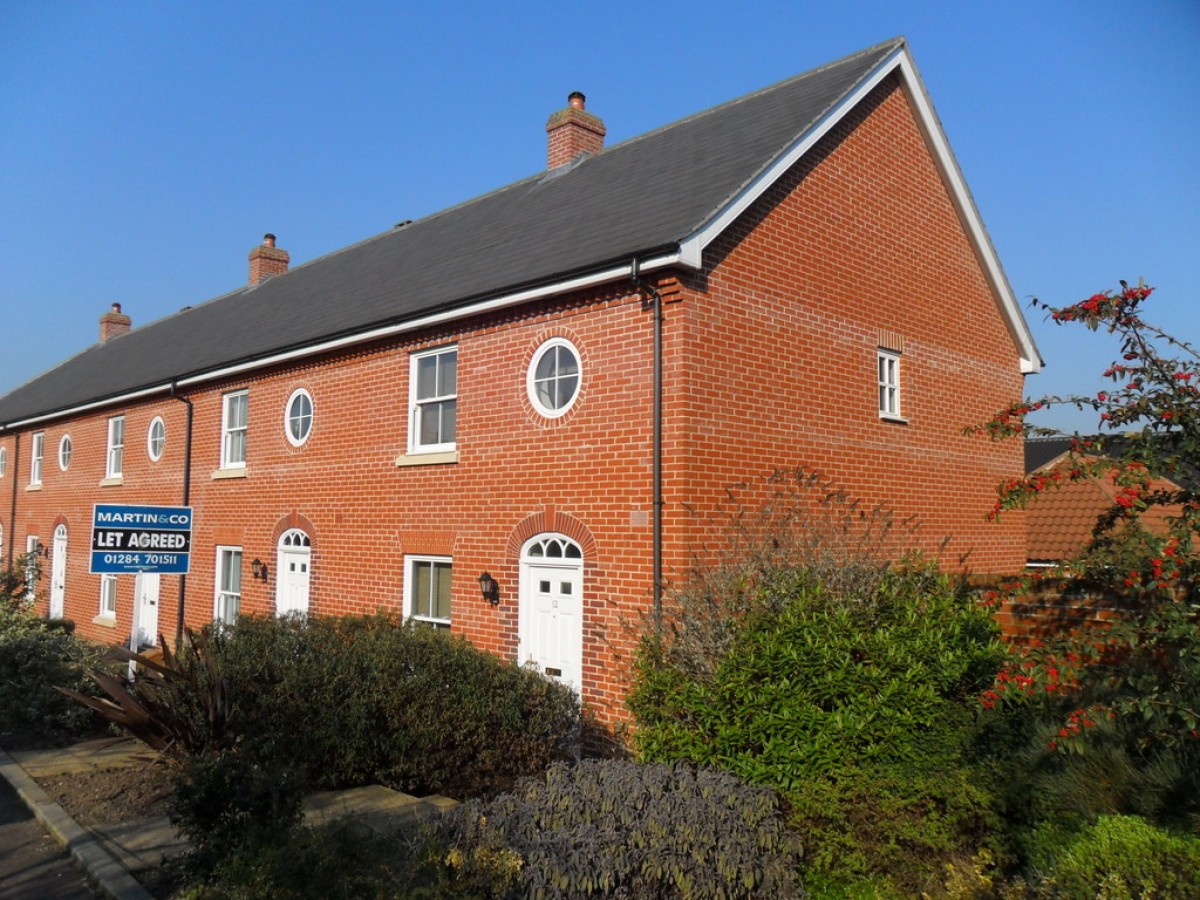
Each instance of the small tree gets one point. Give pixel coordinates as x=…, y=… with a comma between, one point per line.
x=1145, y=666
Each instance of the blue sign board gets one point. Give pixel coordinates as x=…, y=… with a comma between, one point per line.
x=141, y=539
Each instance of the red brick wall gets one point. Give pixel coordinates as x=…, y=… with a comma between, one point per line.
x=67, y=497
x=784, y=330
x=770, y=362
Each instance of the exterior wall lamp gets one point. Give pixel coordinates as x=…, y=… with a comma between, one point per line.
x=259, y=570
x=489, y=588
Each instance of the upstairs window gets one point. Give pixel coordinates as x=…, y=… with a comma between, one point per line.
x=298, y=417
x=3, y=461
x=116, y=447
x=64, y=452
x=427, y=598
x=888, y=363
x=156, y=439
x=35, y=457
x=553, y=378
x=234, y=420
x=434, y=393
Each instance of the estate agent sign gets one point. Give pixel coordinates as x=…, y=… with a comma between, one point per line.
x=141, y=539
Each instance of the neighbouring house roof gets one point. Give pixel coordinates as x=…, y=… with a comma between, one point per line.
x=659, y=198
x=1061, y=520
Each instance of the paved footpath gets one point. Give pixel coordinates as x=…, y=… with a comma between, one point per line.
x=33, y=865
x=110, y=854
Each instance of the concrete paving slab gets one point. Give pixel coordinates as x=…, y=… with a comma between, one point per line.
x=144, y=844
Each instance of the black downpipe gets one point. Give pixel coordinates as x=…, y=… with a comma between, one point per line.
x=657, y=416
x=187, y=499
x=12, y=509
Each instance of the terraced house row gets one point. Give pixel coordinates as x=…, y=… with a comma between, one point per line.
x=510, y=419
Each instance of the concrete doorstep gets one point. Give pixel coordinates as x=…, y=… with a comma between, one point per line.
x=111, y=853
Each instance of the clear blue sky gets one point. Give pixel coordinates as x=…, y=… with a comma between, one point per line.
x=145, y=147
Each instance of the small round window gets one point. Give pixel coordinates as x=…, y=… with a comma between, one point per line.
x=299, y=417
x=553, y=380
x=156, y=439
x=64, y=452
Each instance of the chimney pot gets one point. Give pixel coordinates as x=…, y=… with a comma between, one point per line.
x=114, y=323
x=266, y=260
x=573, y=131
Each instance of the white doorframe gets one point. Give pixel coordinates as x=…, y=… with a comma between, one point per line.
x=550, y=618
x=58, y=572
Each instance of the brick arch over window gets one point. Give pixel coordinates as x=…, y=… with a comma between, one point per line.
x=60, y=520
x=294, y=520
x=550, y=520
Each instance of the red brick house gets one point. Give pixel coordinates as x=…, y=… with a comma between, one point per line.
x=535, y=383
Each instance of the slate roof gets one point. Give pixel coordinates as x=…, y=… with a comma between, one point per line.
x=637, y=198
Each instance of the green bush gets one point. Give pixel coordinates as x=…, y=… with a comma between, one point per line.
x=36, y=656
x=609, y=828
x=332, y=862
x=229, y=807
x=351, y=701
x=860, y=707
x=1120, y=858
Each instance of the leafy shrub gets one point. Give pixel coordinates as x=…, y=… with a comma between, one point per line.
x=333, y=862
x=818, y=681
x=35, y=657
x=352, y=701
x=859, y=703
x=1120, y=858
x=227, y=806
x=177, y=703
x=610, y=828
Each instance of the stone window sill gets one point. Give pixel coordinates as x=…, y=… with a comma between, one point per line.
x=221, y=474
x=115, y=481
x=427, y=459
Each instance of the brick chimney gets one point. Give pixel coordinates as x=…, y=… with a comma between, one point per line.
x=266, y=260
x=574, y=130
x=114, y=323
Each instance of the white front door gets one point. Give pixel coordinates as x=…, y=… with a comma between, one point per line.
x=292, y=573
x=551, y=614
x=58, y=572
x=146, y=608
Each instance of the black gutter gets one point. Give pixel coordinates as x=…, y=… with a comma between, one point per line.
x=187, y=497
x=657, y=431
x=12, y=510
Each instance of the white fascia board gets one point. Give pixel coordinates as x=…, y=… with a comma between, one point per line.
x=85, y=407
x=691, y=249
x=591, y=279
x=1031, y=358
x=580, y=282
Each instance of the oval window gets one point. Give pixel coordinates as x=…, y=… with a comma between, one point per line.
x=156, y=439
x=64, y=452
x=554, y=376
x=299, y=417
